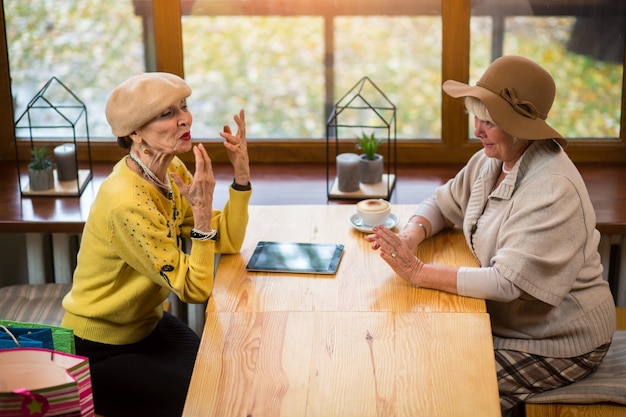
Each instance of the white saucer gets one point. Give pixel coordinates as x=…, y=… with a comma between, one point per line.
x=357, y=223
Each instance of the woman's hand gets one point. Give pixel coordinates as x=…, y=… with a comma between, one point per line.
x=407, y=236
x=237, y=149
x=396, y=253
x=199, y=194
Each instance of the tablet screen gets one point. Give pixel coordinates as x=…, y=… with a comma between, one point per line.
x=316, y=258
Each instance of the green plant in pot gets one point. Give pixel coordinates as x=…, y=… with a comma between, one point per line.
x=371, y=163
x=40, y=172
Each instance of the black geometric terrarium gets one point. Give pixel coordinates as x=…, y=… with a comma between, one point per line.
x=363, y=111
x=55, y=118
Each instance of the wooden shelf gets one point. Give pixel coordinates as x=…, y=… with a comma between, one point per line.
x=381, y=189
x=61, y=188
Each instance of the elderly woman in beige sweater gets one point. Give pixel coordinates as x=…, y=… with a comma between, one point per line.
x=527, y=217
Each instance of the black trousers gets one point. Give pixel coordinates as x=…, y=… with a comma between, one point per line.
x=147, y=378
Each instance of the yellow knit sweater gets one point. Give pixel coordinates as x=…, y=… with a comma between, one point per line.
x=131, y=257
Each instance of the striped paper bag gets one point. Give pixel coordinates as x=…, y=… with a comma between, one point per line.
x=43, y=383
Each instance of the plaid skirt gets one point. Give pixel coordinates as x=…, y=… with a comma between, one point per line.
x=520, y=375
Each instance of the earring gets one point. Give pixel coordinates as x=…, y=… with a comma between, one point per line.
x=145, y=151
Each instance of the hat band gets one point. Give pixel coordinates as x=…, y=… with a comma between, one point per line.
x=521, y=107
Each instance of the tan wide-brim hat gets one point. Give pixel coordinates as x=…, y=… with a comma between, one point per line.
x=141, y=98
x=518, y=94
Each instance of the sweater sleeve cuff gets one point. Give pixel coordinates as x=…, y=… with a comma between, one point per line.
x=238, y=187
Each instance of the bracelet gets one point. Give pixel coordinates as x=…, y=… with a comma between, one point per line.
x=424, y=229
x=238, y=187
x=198, y=235
x=421, y=227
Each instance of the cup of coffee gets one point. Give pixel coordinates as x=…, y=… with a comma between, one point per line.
x=373, y=211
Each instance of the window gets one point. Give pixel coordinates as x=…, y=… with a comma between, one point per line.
x=288, y=62
x=89, y=45
x=279, y=82
x=304, y=64
x=582, y=47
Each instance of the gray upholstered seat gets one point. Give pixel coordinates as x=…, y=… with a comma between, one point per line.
x=606, y=384
x=33, y=303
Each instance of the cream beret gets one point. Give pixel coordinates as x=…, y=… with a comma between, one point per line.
x=141, y=98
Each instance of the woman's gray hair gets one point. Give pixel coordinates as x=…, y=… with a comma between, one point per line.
x=477, y=108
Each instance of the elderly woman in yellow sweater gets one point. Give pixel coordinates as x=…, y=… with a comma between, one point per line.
x=131, y=256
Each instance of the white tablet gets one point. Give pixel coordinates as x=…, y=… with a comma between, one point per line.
x=311, y=258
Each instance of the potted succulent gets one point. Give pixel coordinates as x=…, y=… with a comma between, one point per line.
x=40, y=172
x=371, y=163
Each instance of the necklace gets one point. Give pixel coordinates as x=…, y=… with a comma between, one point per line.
x=506, y=171
x=166, y=188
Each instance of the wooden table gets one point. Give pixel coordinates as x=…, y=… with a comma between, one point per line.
x=359, y=343
x=364, y=282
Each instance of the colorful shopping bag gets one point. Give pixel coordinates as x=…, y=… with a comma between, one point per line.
x=44, y=383
x=62, y=337
x=23, y=337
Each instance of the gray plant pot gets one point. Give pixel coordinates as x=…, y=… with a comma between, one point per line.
x=371, y=170
x=41, y=180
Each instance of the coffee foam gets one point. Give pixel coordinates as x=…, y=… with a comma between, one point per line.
x=373, y=205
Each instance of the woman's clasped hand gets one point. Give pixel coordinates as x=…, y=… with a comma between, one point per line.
x=397, y=254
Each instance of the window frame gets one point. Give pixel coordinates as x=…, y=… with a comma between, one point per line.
x=453, y=147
